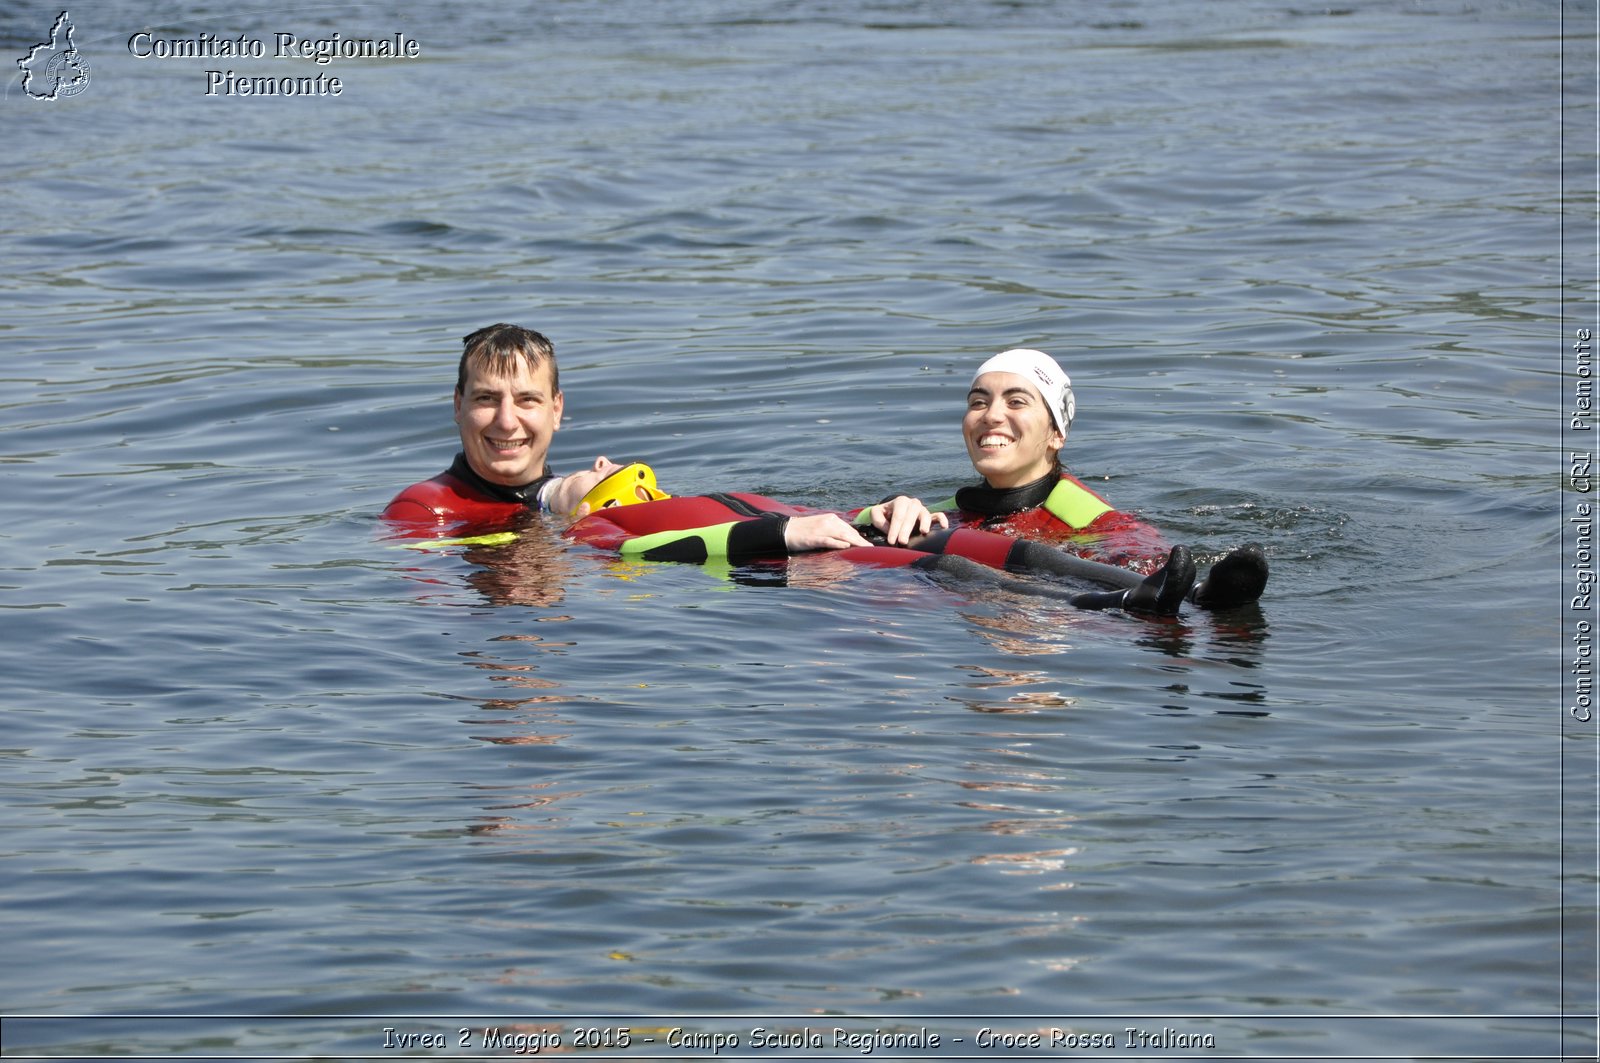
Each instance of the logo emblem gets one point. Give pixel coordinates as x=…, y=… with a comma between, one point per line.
x=55, y=68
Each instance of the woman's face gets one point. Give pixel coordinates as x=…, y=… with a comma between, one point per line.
x=1009, y=434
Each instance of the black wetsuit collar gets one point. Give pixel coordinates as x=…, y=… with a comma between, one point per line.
x=988, y=501
x=527, y=494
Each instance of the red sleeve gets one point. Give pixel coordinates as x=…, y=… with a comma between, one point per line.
x=405, y=510
x=423, y=508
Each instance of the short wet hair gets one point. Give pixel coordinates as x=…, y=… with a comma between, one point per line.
x=497, y=348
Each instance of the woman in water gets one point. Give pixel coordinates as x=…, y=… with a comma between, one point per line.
x=1020, y=407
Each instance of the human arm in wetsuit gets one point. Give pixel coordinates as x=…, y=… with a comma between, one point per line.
x=769, y=535
x=736, y=527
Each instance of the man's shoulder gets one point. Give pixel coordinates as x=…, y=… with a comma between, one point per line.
x=442, y=499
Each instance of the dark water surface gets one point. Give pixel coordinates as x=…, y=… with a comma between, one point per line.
x=1304, y=265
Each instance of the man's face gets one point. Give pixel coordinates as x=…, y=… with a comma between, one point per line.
x=506, y=422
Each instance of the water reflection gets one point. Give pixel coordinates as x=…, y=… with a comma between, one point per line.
x=531, y=570
x=531, y=720
x=1197, y=648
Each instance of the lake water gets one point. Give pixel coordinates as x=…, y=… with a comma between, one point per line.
x=273, y=783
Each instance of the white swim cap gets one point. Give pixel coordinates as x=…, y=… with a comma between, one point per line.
x=1040, y=370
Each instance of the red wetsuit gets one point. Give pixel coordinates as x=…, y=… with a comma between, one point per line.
x=460, y=500
x=1060, y=510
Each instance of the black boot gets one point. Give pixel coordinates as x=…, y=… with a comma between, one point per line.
x=1164, y=590
x=1237, y=579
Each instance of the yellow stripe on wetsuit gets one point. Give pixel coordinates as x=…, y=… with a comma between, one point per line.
x=1075, y=505
x=670, y=545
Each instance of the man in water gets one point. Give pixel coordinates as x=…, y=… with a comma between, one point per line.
x=508, y=406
